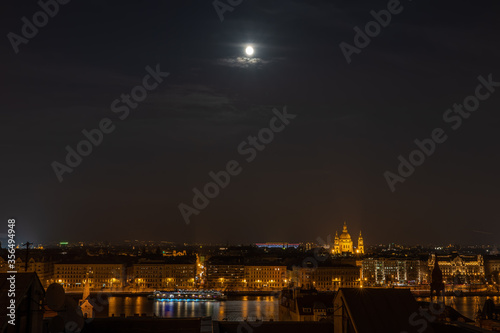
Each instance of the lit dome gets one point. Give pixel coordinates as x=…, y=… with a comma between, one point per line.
x=345, y=234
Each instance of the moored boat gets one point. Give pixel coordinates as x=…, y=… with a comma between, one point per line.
x=187, y=296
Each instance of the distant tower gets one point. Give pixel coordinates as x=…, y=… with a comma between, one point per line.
x=336, y=246
x=437, y=284
x=361, y=247
x=85, y=306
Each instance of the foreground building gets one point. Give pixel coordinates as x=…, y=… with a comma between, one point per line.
x=306, y=304
x=375, y=310
x=27, y=306
x=272, y=326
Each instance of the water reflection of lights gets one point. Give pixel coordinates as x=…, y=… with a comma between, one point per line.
x=245, y=310
x=250, y=307
x=193, y=310
x=112, y=306
x=258, y=311
x=138, y=305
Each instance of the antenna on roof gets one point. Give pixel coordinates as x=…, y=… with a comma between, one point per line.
x=27, y=250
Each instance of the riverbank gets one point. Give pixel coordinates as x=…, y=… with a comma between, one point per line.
x=110, y=293
x=416, y=293
x=145, y=293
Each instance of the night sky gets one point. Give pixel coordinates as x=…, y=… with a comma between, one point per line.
x=352, y=121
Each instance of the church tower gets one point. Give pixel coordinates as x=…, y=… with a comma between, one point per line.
x=361, y=247
x=344, y=245
x=85, y=305
x=345, y=241
x=336, y=246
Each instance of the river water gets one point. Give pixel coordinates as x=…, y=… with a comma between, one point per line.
x=467, y=305
x=239, y=308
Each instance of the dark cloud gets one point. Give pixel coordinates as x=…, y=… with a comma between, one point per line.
x=243, y=62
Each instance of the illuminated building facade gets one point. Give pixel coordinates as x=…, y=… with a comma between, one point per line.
x=400, y=271
x=225, y=273
x=343, y=244
x=149, y=274
x=327, y=278
x=460, y=269
x=265, y=277
x=161, y=275
x=102, y=275
x=180, y=275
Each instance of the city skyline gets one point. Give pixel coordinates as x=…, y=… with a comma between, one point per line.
x=481, y=241
x=322, y=242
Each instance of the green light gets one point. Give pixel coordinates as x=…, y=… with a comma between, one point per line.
x=63, y=243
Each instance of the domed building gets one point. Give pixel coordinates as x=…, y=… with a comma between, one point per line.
x=344, y=244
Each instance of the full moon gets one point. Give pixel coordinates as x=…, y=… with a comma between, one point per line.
x=249, y=50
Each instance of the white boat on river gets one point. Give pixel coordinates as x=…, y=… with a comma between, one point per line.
x=187, y=296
